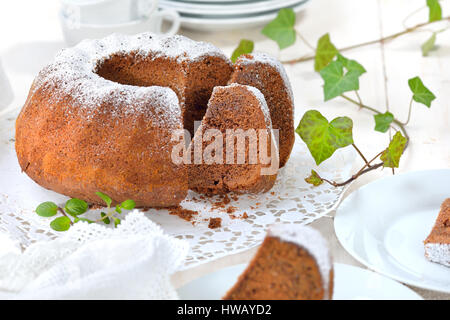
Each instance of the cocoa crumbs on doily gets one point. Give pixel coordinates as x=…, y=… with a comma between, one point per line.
x=185, y=214
x=231, y=209
x=215, y=223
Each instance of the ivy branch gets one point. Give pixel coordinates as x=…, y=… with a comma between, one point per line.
x=74, y=208
x=435, y=15
x=341, y=75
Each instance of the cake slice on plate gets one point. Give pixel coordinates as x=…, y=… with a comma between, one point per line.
x=437, y=244
x=293, y=263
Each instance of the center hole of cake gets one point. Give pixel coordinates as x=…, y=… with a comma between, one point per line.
x=133, y=69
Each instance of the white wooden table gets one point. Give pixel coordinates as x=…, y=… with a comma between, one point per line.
x=30, y=36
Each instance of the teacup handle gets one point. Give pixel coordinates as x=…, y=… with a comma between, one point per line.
x=171, y=15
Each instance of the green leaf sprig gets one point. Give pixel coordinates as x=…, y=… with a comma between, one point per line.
x=245, y=47
x=76, y=207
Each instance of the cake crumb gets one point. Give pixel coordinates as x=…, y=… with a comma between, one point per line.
x=185, y=214
x=231, y=209
x=215, y=223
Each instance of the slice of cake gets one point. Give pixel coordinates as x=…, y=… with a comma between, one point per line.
x=266, y=73
x=437, y=244
x=233, y=150
x=293, y=263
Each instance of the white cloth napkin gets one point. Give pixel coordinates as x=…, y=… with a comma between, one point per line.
x=133, y=261
x=6, y=93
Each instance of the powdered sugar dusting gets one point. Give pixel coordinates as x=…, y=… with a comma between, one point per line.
x=264, y=58
x=438, y=252
x=311, y=240
x=73, y=74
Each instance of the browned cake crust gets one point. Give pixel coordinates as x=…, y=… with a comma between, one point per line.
x=232, y=107
x=281, y=271
x=121, y=155
x=441, y=229
x=267, y=74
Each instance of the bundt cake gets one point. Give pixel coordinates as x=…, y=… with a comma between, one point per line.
x=437, y=244
x=100, y=117
x=293, y=263
x=229, y=148
x=266, y=73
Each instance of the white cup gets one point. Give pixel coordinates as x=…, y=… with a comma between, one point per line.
x=93, y=19
x=6, y=93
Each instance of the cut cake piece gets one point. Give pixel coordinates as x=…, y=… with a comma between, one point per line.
x=293, y=263
x=233, y=112
x=437, y=244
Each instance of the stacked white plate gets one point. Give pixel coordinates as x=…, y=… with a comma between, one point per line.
x=216, y=15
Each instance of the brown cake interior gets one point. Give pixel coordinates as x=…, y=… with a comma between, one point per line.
x=441, y=229
x=230, y=108
x=268, y=80
x=192, y=82
x=280, y=271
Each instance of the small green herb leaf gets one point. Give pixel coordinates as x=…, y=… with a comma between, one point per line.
x=47, y=209
x=105, y=198
x=76, y=206
x=435, y=10
x=118, y=208
x=336, y=82
x=116, y=221
x=428, y=45
x=314, y=179
x=323, y=138
x=391, y=156
x=105, y=220
x=281, y=29
x=60, y=224
x=78, y=219
x=383, y=121
x=325, y=52
x=244, y=47
x=128, y=204
x=421, y=93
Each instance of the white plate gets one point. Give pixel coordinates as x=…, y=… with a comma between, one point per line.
x=350, y=283
x=229, y=23
x=384, y=223
x=220, y=9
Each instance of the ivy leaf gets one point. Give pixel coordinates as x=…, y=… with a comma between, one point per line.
x=105, y=198
x=244, y=47
x=314, y=179
x=281, y=29
x=105, y=220
x=336, y=82
x=76, y=206
x=325, y=52
x=421, y=93
x=391, y=156
x=383, y=121
x=47, y=209
x=323, y=138
x=60, y=224
x=128, y=204
x=435, y=10
x=428, y=45
x=351, y=65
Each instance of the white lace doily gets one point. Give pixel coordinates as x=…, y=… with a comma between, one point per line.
x=291, y=200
